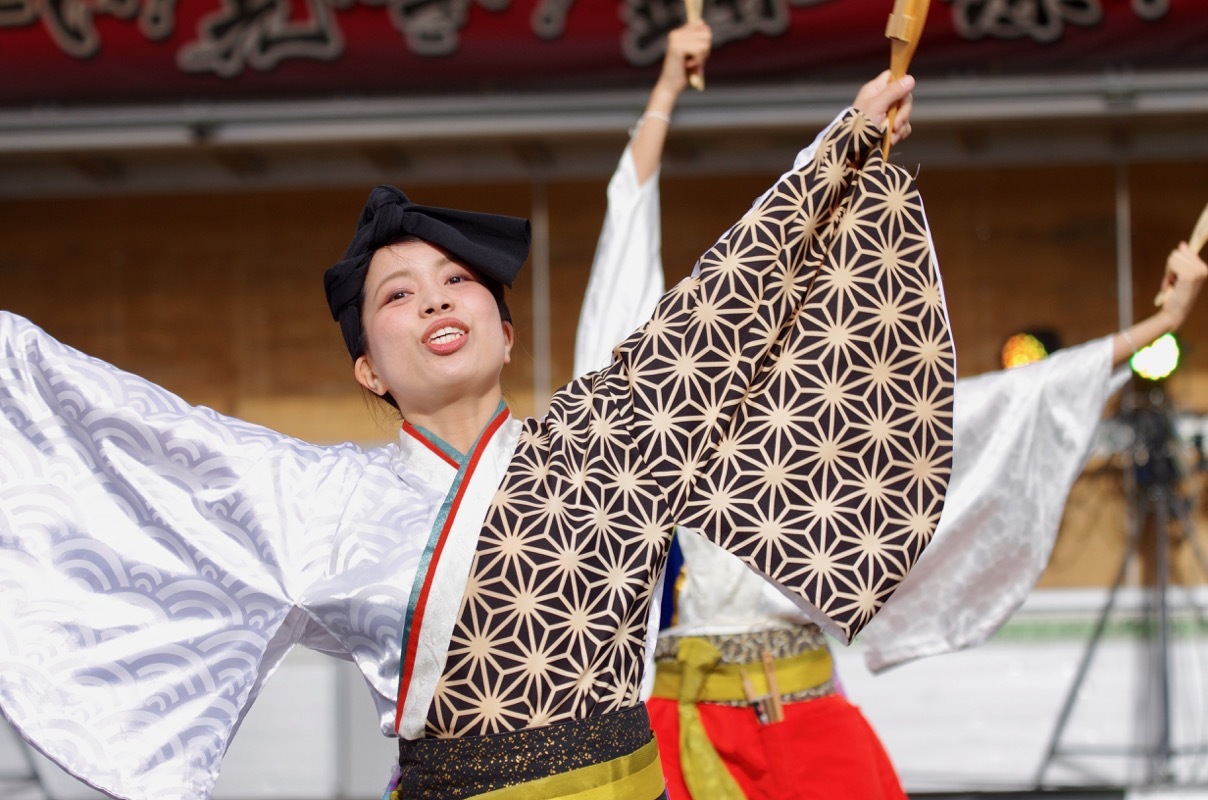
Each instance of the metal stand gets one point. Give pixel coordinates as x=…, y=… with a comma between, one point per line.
x=1156, y=501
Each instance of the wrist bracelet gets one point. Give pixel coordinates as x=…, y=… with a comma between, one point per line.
x=1132, y=346
x=654, y=115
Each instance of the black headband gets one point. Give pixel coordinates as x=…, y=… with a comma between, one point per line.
x=494, y=246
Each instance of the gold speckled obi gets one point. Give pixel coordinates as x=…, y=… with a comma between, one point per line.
x=607, y=757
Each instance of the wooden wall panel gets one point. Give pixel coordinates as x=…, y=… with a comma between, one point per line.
x=1023, y=248
x=219, y=297
x=576, y=214
x=1100, y=518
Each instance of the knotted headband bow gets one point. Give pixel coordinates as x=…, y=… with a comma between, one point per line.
x=495, y=246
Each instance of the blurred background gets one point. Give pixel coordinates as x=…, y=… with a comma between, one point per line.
x=175, y=175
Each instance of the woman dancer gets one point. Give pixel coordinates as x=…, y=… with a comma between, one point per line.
x=490, y=577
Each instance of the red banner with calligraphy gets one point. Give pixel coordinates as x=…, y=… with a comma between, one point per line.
x=72, y=52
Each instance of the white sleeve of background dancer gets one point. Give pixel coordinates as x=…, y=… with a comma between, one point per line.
x=1021, y=438
x=627, y=271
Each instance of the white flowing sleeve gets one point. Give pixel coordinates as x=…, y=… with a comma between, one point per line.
x=1020, y=439
x=149, y=551
x=627, y=271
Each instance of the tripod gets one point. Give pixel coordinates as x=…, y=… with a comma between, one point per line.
x=1157, y=502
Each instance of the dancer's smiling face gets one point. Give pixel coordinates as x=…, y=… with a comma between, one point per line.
x=433, y=331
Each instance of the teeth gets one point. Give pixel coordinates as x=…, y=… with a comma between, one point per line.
x=445, y=335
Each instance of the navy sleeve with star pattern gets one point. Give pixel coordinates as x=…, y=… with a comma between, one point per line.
x=794, y=397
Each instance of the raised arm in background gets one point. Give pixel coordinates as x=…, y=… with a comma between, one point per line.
x=1185, y=272
x=687, y=50
x=627, y=270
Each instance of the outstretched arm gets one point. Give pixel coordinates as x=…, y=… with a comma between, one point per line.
x=726, y=391
x=687, y=50
x=149, y=551
x=1185, y=273
x=998, y=529
x=874, y=100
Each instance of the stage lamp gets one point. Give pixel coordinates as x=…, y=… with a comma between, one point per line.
x=1157, y=361
x=1028, y=346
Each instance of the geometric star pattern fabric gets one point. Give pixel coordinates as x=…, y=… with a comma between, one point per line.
x=792, y=402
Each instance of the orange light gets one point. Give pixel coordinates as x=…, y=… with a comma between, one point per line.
x=1022, y=348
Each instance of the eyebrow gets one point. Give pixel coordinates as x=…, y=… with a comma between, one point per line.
x=408, y=271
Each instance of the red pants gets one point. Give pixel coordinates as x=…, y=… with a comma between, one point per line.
x=823, y=750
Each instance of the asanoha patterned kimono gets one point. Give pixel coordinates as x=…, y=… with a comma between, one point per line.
x=792, y=402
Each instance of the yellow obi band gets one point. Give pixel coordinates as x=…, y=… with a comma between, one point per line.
x=637, y=775
x=722, y=683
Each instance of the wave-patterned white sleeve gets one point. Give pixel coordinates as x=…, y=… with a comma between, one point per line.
x=149, y=551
